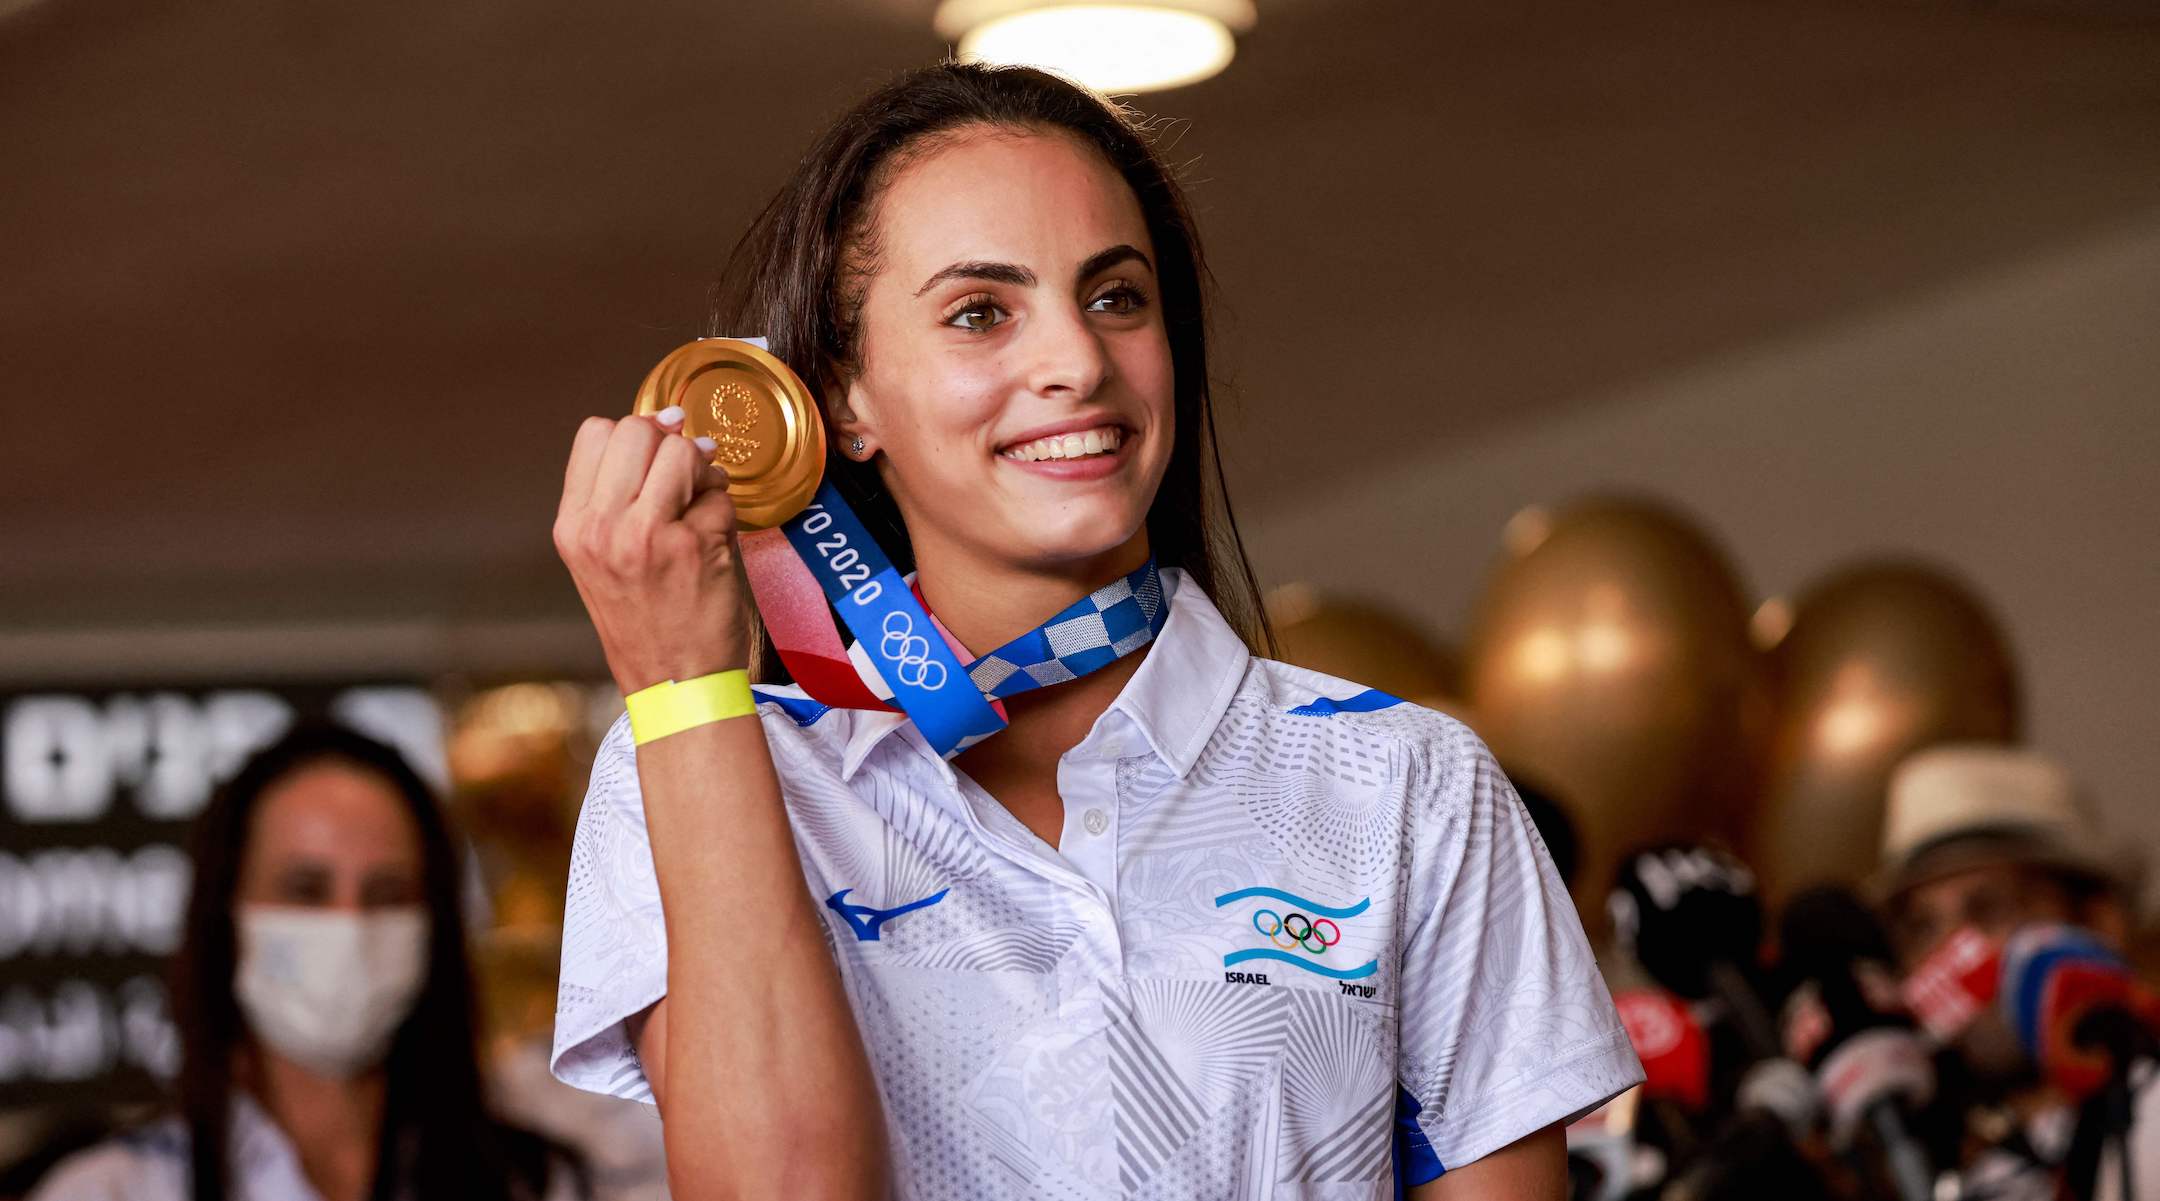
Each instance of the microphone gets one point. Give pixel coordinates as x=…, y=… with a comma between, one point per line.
x=2075, y=1007
x=1955, y=984
x=1692, y=918
x=2085, y=1021
x=1672, y=1045
x=1870, y=1081
x=1758, y=1154
x=1844, y=1016
x=1834, y=963
x=1784, y=1090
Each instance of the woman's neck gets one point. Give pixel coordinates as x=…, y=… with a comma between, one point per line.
x=335, y=1125
x=986, y=605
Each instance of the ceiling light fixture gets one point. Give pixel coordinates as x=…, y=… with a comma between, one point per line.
x=1109, y=45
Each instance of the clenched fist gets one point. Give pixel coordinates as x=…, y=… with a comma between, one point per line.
x=648, y=532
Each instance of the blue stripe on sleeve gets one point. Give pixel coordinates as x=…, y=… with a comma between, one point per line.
x=1414, y=1160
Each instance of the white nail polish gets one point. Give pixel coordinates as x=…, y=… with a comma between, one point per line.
x=705, y=445
x=671, y=415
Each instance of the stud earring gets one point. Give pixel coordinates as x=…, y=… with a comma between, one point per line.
x=855, y=448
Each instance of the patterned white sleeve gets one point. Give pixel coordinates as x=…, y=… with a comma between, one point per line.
x=1507, y=1026
x=614, y=947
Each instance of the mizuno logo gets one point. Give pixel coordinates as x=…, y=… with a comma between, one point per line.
x=865, y=920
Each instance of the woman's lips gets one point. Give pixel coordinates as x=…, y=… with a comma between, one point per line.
x=1067, y=444
x=1070, y=457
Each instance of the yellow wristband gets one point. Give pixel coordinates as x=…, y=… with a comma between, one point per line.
x=670, y=707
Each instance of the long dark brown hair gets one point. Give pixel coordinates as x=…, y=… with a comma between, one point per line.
x=438, y=1141
x=797, y=277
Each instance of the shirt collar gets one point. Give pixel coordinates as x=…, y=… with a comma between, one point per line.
x=869, y=728
x=1177, y=698
x=1189, y=677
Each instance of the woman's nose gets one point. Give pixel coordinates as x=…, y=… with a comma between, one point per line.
x=1066, y=356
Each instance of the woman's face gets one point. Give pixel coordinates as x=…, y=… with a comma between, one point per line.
x=332, y=836
x=1015, y=371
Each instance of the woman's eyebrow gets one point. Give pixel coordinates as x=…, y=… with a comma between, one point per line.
x=1103, y=260
x=1021, y=277
x=997, y=273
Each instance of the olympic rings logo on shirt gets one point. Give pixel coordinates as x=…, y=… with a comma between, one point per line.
x=1305, y=934
x=909, y=653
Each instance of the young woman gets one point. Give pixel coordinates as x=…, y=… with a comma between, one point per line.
x=325, y=1005
x=1196, y=924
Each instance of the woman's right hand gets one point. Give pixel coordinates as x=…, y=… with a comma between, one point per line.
x=648, y=532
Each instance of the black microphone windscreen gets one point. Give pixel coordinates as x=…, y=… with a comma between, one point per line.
x=1685, y=909
x=1828, y=927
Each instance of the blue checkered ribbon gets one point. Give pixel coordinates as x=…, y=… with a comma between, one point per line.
x=1095, y=631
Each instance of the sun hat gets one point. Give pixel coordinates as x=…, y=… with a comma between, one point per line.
x=1965, y=805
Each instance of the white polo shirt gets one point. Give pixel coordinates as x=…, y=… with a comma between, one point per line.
x=1293, y=933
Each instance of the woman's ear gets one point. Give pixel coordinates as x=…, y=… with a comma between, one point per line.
x=843, y=413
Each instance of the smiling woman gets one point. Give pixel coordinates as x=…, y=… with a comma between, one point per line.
x=1034, y=965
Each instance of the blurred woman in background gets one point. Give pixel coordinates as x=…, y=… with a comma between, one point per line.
x=325, y=1004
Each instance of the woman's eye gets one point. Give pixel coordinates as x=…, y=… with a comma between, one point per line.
x=1118, y=301
x=977, y=317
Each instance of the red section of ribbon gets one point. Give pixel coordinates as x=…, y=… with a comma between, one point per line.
x=959, y=651
x=802, y=628
x=793, y=608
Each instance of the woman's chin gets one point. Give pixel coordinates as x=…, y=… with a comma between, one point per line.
x=1082, y=542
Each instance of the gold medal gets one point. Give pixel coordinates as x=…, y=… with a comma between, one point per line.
x=763, y=423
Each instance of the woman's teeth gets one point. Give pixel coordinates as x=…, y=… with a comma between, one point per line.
x=1101, y=440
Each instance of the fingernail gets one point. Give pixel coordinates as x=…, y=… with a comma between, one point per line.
x=671, y=415
x=705, y=445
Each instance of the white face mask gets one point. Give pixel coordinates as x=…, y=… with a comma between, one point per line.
x=328, y=989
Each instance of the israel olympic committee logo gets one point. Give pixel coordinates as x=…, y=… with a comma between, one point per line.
x=909, y=653
x=1295, y=931
x=1300, y=932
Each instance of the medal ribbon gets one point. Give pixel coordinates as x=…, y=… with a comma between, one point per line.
x=825, y=552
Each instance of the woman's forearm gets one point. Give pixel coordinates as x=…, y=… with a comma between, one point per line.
x=768, y=1091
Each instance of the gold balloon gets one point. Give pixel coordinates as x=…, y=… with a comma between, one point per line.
x=1609, y=658
x=1880, y=660
x=1364, y=642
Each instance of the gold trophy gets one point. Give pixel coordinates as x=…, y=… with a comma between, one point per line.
x=765, y=427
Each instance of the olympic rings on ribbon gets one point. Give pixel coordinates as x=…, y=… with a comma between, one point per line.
x=1309, y=939
x=909, y=653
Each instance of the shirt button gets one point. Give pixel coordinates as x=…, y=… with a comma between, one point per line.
x=1096, y=821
